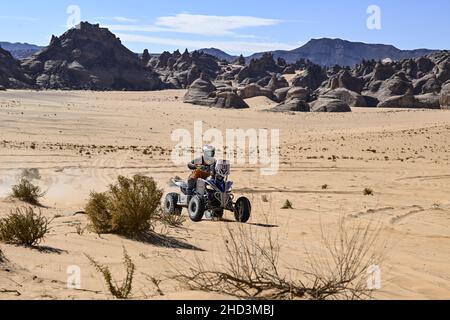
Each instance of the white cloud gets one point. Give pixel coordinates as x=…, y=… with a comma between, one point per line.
x=119, y=19
x=234, y=47
x=211, y=25
x=200, y=25
x=19, y=18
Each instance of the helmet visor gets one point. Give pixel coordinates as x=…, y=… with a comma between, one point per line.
x=210, y=153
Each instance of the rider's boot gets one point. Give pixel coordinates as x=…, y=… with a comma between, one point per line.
x=192, y=183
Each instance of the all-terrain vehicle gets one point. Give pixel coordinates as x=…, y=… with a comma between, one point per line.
x=211, y=198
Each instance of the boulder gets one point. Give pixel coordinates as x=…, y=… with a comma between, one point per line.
x=398, y=85
x=203, y=92
x=351, y=98
x=259, y=68
x=426, y=84
x=253, y=90
x=311, y=78
x=347, y=81
x=229, y=100
x=371, y=102
x=200, y=91
x=299, y=93
x=429, y=100
x=445, y=96
x=383, y=71
x=293, y=105
x=409, y=101
x=277, y=82
x=280, y=94
x=329, y=104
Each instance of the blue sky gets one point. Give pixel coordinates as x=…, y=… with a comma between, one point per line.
x=236, y=26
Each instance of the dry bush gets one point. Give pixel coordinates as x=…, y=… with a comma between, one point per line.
x=368, y=192
x=124, y=290
x=252, y=268
x=287, y=205
x=172, y=220
x=24, y=227
x=27, y=192
x=264, y=198
x=130, y=207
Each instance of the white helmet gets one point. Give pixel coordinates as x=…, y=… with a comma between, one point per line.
x=209, y=152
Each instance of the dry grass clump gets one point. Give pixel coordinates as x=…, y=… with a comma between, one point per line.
x=27, y=192
x=287, y=205
x=252, y=268
x=172, y=220
x=368, y=192
x=122, y=291
x=23, y=226
x=130, y=207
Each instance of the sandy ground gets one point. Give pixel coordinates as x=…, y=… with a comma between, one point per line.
x=81, y=141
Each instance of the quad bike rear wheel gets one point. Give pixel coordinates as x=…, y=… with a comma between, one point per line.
x=196, y=209
x=171, y=204
x=242, y=210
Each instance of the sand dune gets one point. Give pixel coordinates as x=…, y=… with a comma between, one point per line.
x=81, y=141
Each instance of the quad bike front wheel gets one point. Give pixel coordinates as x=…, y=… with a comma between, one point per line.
x=196, y=209
x=242, y=210
x=171, y=204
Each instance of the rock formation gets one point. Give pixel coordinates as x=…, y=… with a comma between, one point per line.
x=91, y=58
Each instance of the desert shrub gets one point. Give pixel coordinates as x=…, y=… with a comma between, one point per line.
x=368, y=192
x=130, y=207
x=23, y=227
x=98, y=212
x=264, y=198
x=124, y=290
x=252, y=268
x=27, y=192
x=173, y=220
x=325, y=187
x=287, y=205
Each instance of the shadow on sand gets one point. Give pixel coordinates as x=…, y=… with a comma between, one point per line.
x=166, y=241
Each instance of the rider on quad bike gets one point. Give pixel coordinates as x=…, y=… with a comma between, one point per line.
x=203, y=167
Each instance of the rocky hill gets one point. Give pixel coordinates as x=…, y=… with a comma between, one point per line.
x=11, y=74
x=20, y=50
x=89, y=57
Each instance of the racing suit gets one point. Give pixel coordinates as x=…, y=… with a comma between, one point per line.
x=202, y=169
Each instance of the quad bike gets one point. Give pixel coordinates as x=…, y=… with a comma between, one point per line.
x=210, y=198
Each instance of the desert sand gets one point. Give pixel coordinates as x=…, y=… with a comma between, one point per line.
x=81, y=141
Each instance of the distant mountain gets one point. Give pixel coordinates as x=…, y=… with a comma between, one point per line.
x=219, y=54
x=20, y=50
x=329, y=52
